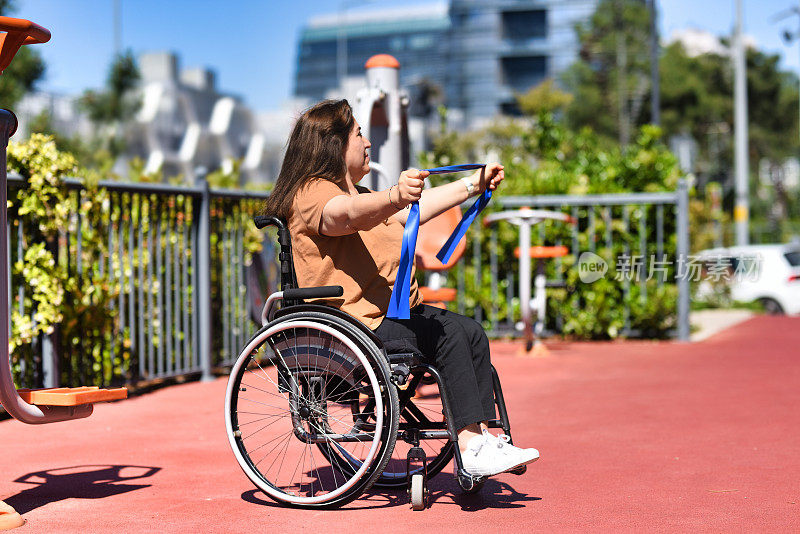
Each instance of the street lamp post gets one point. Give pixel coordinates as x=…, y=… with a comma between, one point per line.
x=790, y=36
x=655, y=101
x=742, y=207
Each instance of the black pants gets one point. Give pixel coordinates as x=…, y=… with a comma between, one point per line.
x=459, y=349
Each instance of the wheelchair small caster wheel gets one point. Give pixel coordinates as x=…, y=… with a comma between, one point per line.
x=519, y=470
x=419, y=492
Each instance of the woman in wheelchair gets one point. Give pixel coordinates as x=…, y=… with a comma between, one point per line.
x=343, y=234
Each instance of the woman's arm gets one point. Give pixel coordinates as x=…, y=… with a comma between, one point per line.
x=347, y=214
x=439, y=199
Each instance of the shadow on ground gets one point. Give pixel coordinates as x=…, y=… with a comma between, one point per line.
x=493, y=494
x=77, y=482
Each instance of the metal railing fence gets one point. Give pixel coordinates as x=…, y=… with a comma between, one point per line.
x=181, y=299
x=171, y=271
x=652, y=226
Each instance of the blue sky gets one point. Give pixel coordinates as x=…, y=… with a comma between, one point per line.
x=251, y=44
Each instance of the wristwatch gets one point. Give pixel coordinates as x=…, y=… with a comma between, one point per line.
x=469, y=185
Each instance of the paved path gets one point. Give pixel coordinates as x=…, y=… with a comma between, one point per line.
x=634, y=437
x=706, y=323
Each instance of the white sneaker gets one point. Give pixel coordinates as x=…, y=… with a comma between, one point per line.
x=488, y=455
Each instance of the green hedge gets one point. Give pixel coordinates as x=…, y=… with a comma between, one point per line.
x=542, y=157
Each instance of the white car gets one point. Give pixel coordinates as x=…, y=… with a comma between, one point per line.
x=769, y=274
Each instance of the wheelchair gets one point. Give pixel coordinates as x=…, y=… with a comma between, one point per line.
x=317, y=412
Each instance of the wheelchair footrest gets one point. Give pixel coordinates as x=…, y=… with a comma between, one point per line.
x=469, y=482
x=71, y=396
x=494, y=423
x=519, y=470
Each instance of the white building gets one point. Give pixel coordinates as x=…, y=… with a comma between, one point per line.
x=185, y=126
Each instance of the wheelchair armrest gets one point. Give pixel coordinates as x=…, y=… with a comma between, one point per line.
x=321, y=292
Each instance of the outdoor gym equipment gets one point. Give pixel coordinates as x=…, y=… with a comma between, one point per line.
x=525, y=218
x=43, y=405
x=382, y=110
x=432, y=236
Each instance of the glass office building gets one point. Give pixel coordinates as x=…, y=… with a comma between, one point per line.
x=479, y=53
x=417, y=37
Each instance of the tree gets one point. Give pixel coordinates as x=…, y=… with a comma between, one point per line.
x=23, y=73
x=544, y=98
x=611, y=79
x=697, y=99
x=610, y=86
x=116, y=103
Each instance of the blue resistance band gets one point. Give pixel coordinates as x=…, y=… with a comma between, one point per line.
x=398, y=303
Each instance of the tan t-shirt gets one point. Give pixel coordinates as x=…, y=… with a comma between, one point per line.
x=364, y=263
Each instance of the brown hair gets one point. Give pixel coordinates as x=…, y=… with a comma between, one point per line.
x=315, y=151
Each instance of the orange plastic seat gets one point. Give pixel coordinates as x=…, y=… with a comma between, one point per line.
x=443, y=294
x=71, y=396
x=545, y=252
x=430, y=239
x=433, y=235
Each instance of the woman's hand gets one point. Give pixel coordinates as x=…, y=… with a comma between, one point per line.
x=489, y=177
x=409, y=186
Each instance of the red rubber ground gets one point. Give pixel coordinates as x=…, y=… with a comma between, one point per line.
x=634, y=436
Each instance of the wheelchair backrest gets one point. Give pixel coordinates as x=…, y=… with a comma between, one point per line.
x=288, y=276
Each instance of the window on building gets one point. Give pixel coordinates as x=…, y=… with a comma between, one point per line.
x=318, y=48
x=522, y=73
x=510, y=108
x=523, y=25
x=419, y=42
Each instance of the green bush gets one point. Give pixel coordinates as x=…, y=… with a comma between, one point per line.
x=542, y=157
x=69, y=306
x=70, y=280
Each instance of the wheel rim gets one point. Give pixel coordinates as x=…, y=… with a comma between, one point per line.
x=285, y=405
x=771, y=307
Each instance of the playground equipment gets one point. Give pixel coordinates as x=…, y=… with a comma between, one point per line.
x=29, y=406
x=432, y=236
x=525, y=218
x=46, y=405
x=381, y=110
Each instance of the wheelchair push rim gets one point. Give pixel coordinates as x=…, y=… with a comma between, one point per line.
x=274, y=409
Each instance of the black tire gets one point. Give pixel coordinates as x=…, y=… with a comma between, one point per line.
x=771, y=306
x=302, y=374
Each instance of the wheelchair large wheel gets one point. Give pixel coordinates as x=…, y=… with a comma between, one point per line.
x=292, y=411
